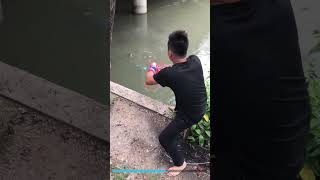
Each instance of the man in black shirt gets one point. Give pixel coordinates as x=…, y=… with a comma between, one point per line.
x=260, y=101
x=186, y=80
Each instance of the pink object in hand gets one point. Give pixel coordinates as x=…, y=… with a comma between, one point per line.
x=154, y=68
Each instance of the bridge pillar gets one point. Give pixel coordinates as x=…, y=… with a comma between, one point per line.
x=139, y=6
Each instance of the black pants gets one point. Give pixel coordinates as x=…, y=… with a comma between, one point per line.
x=260, y=100
x=169, y=137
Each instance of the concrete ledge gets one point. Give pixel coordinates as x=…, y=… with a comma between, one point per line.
x=141, y=100
x=53, y=100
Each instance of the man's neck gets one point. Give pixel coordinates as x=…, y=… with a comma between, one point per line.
x=180, y=60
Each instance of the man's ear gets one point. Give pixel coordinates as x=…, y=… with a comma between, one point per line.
x=170, y=54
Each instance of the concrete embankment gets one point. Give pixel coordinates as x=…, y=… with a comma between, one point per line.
x=36, y=146
x=49, y=132
x=135, y=124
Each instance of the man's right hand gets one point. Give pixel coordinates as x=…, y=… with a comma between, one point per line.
x=154, y=68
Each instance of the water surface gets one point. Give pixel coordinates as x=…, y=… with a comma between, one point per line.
x=140, y=38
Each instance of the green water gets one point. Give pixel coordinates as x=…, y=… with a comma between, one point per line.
x=66, y=41
x=138, y=38
x=62, y=41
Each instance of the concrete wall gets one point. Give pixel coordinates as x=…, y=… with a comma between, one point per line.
x=50, y=132
x=56, y=101
x=36, y=146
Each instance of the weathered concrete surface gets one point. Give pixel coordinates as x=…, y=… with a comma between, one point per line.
x=134, y=129
x=35, y=146
x=141, y=100
x=56, y=101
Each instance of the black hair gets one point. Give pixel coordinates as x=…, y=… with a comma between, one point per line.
x=178, y=42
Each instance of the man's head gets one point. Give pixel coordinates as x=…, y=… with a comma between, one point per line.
x=177, y=45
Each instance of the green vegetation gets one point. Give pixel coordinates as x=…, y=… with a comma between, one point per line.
x=200, y=133
x=311, y=170
x=312, y=165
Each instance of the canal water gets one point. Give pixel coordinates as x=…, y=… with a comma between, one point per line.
x=138, y=39
x=65, y=42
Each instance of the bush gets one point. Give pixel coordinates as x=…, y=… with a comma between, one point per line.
x=311, y=170
x=200, y=133
x=312, y=164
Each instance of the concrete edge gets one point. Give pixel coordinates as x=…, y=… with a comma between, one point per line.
x=55, y=101
x=141, y=100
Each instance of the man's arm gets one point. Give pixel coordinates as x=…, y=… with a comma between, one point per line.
x=156, y=76
x=153, y=69
x=149, y=78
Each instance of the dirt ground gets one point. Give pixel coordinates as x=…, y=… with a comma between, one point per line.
x=34, y=146
x=134, y=144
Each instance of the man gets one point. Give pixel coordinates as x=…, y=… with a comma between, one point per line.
x=260, y=98
x=186, y=80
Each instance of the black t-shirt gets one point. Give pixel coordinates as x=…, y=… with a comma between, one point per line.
x=187, y=82
x=260, y=101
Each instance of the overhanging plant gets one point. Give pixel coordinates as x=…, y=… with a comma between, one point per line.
x=200, y=133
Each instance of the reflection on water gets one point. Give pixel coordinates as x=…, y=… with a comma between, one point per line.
x=139, y=39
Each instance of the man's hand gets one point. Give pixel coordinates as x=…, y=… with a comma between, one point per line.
x=153, y=69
